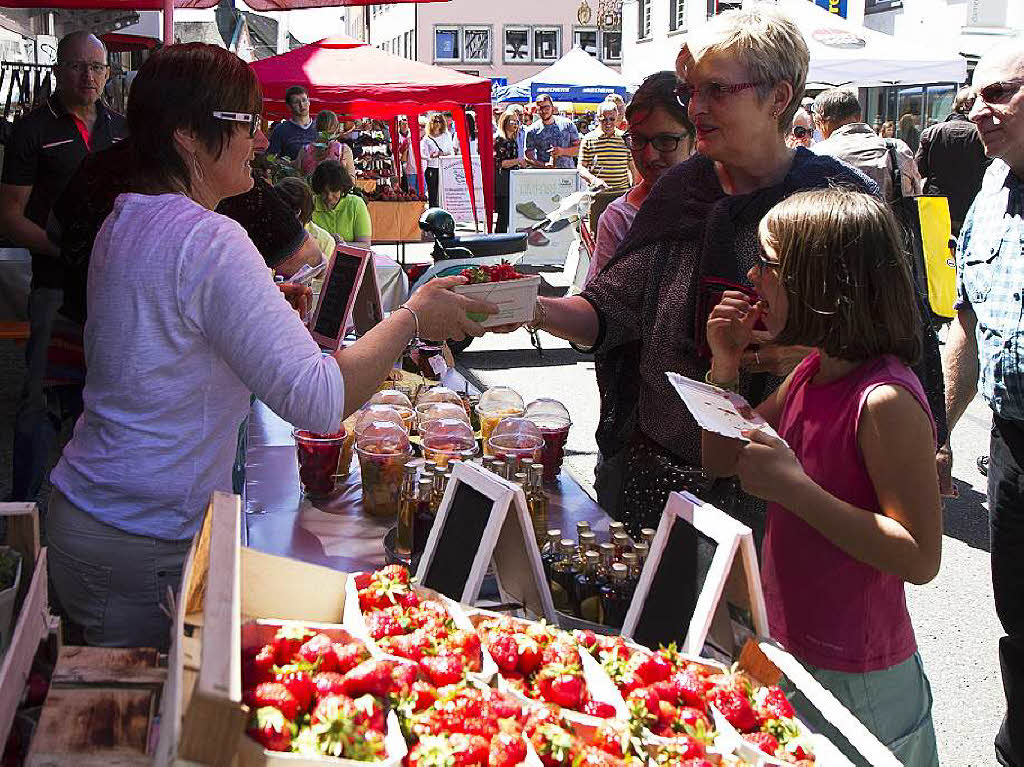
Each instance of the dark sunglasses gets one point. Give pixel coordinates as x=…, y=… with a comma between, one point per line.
x=998, y=92
x=241, y=117
x=800, y=131
x=663, y=142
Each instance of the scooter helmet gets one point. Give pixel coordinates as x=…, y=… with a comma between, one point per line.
x=438, y=222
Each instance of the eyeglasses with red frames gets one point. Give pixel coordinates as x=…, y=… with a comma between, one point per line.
x=998, y=92
x=710, y=91
x=241, y=117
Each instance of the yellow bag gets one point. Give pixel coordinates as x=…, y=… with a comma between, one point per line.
x=939, y=263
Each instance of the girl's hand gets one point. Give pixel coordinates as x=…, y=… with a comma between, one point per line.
x=730, y=329
x=442, y=313
x=768, y=468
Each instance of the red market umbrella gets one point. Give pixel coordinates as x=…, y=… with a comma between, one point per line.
x=116, y=42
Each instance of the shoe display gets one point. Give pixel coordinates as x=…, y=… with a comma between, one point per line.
x=531, y=210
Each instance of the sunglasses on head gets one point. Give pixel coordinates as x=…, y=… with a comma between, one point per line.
x=241, y=117
x=800, y=131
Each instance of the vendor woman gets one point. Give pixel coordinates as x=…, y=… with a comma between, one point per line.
x=184, y=323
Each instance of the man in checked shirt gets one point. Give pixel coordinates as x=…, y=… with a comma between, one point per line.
x=986, y=348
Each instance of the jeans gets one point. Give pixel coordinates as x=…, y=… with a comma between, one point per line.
x=894, y=704
x=113, y=584
x=41, y=411
x=1006, y=530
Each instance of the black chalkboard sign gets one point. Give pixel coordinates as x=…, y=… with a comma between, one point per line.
x=458, y=541
x=676, y=586
x=337, y=296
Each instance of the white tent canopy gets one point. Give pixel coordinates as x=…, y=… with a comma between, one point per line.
x=843, y=53
x=577, y=76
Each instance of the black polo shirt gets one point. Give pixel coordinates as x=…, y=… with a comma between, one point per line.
x=44, y=151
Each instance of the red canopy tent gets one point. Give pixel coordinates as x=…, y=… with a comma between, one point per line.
x=354, y=79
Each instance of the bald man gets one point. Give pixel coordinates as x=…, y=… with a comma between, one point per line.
x=985, y=345
x=47, y=146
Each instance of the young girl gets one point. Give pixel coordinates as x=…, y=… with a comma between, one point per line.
x=335, y=208
x=853, y=500
x=327, y=148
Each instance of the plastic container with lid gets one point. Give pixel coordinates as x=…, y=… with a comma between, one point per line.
x=399, y=402
x=552, y=418
x=433, y=411
x=371, y=413
x=438, y=394
x=516, y=438
x=447, y=439
x=383, y=449
x=497, y=403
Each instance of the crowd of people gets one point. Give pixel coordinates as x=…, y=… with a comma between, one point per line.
x=753, y=246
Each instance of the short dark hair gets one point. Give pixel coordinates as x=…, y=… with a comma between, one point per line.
x=838, y=106
x=331, y=176
x=181, y=86
x=295, y=90
x=846, y=275
x=298, y=195
x=658, y=91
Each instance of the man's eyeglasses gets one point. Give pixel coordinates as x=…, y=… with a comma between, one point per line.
x=93, y=67
x=710, y=91
x=801, y=132
x=998, y=92
x=662, y=142
x=608, y=119
x=241, y=117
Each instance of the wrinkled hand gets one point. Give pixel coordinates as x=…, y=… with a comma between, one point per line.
x=730, y=328
x=442, y=313
x=944, y=467
x=298, y=296
x=774, y=359
x=768, y=468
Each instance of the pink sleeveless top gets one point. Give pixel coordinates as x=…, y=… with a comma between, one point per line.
x=824, y=606
x=309, y=157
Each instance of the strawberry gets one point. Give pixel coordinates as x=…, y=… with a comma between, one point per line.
x=599, y=709
x=552, y=743
x=764, y=741
x=442, y=669
x=529, y=653
x=369, y=713
x=560, y=653
x=735, y=708
x=269, y=728
x=382, y=624
x=259, y=668
x=667, y=713
x=564, y=688
x=328, y=683
x=372, y=677
x=475, y=275
x=505, y=652
x=431, y=751
x=423, y=695
x=611, y=739
x=469, y=749
x=334, y=730
x=397, y=573
x=273, y=694
x=695, y=719
x=299, y=684
x=643, y=704
x=515, y=681
x=654, y=668
x=685, y=747
x=289, y=638
x=466, y=644
x=629, y=682
x=690, y=689
x=320, y=650
x=586, y=639
x=507, y=749
x=772, y=703
x=362, y=580
x=350, y=655
x=404, y=676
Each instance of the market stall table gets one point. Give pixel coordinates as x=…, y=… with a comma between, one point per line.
x=337, y=533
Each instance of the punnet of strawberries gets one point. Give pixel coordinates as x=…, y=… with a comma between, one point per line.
x=541, y=662
x=491, y=273
x=671, y=696
x=310, y=695
x=420, y=628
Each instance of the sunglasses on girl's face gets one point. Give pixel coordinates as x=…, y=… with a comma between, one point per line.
x=801, y=132
x=241, y=117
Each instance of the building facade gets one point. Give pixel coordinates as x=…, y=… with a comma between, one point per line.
x=487, y=39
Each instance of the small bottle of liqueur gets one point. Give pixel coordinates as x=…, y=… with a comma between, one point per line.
x=616, y=596
x=549, y=552
x=587, y=593
x=537, y=502
x=407, y=506
x=424, y=516
x=563, y=571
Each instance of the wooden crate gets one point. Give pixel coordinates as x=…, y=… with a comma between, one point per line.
x=100, y=708
x=33, y=622
x=202, y=716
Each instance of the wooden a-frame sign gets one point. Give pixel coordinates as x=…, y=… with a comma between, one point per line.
x=484, y=518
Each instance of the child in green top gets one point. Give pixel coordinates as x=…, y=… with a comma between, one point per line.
x=335, y=208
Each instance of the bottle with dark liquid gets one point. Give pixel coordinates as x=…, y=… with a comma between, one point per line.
x=631, y=560
x=550, y=551
x=586, y=593
x=563, y=571
x=588, y=542
x=647, y=535
x=407, y=504
x=615, y=527
x=642, y=551
x=424, y=516
x=616, y=596
x=604, y=567
x=622, y=544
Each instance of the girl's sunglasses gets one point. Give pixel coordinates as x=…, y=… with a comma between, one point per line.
x=241, y=117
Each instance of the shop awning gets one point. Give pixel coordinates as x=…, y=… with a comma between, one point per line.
x=843, y=53
x=116, y=43
x=577, y=76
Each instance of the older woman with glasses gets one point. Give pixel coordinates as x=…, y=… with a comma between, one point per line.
x=185, y=324
x=695, y=235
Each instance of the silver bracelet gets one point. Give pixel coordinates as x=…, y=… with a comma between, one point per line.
x=540, y=316
x=416, y=319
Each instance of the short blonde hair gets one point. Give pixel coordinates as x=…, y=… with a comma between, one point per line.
x=767, y=44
